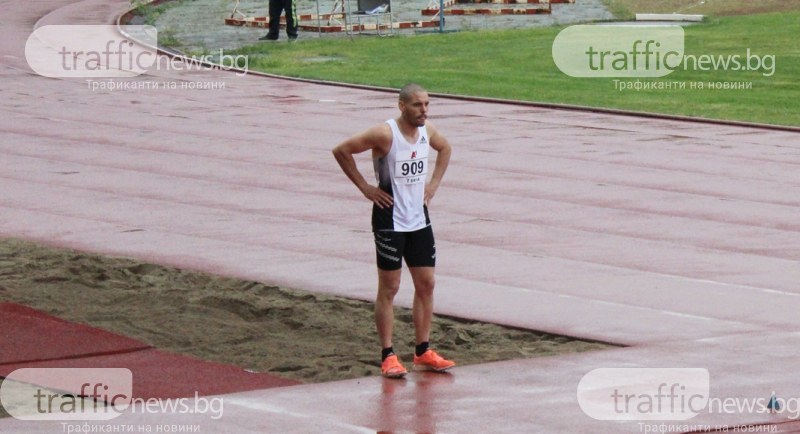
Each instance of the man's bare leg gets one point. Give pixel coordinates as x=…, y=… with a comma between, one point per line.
x=388, y=285
x=424, y=282
x=424, y=357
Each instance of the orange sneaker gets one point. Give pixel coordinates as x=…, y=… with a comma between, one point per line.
x=431, y=361
x=391, y=368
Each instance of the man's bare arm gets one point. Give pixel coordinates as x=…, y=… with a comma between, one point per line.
x=374, y=139
x=443, y=152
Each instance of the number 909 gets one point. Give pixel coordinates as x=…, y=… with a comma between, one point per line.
x=413, y=168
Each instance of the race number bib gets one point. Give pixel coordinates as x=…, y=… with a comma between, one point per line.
x=411, y=171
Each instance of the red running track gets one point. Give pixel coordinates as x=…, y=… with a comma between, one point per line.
x=680, y=239
x=33, y=339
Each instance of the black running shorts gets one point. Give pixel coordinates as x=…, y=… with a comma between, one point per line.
x=418, y=248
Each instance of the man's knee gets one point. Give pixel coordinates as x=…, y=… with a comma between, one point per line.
x=388, y=283
x=424, y=281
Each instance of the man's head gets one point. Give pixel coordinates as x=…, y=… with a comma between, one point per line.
x=414, y=104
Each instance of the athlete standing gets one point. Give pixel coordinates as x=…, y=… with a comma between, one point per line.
x=400, y=222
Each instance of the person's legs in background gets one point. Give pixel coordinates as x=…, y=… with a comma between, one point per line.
x=275, y=9
x=292, y=21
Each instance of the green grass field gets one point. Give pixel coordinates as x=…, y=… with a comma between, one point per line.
x=518, y=64
x=717, y=8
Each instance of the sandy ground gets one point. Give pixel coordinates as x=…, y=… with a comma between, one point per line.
x=296, y=334
x=199, y=24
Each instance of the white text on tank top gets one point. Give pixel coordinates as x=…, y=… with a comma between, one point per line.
x=408, y=169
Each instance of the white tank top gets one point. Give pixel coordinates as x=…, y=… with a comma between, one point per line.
x=403, y=173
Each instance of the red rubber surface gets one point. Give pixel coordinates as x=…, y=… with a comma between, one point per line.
x=33, y=339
